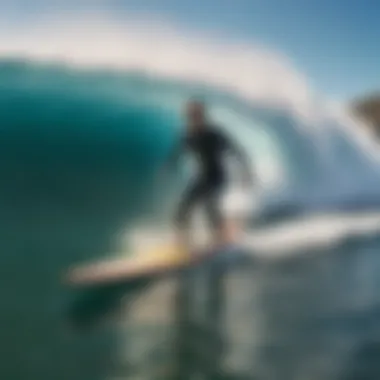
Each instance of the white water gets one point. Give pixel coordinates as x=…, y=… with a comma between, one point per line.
x=304, y=156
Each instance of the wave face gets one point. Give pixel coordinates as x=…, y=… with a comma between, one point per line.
x=79, y=151
x=139, y=115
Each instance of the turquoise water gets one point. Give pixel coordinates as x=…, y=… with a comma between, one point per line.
x=76, y=168
x=79, y=152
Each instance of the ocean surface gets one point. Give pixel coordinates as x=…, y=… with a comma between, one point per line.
x=80, y=149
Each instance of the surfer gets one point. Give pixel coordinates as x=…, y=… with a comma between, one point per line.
x=209, y=145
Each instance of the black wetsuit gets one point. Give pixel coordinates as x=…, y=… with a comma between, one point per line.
x=209, y=147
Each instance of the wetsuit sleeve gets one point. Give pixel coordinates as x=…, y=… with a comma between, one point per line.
x=238, y=152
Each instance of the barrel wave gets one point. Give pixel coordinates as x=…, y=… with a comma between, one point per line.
x=80, y=149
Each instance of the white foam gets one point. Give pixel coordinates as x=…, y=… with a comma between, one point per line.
x=156, y=46
x=311, y=233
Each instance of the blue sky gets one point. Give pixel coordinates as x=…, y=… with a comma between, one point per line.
x=334, y=42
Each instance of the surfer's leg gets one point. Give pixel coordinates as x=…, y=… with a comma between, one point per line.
x=191, y=197
x=215, y=215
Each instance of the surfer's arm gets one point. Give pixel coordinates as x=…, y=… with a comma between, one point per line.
x=241, y=156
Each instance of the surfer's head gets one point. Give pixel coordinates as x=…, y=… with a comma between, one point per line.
x=196, y=114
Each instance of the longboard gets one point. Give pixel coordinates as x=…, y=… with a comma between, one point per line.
x=160, y=260
x=154, y=262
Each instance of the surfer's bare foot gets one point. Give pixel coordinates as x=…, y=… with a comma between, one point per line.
x=219, y=240
x=183, y=243
x=232, y=231
x=227, y=234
